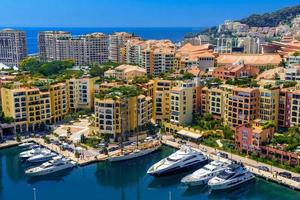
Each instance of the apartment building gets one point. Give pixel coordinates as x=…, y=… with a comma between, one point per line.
x=182, y=101
x=133, y=51
x=47, y=44
x=12, y=47
x=158, y=56
x=144, y=111
x=123, y=116
x=85, y=49
x=242, y=106
x=250, y=137
x=269, y=104
x=116, y=42
x=284, y=108
x=28, y=106
x=215, y=104
x=81, y=93
x=295, y=108
x=59, y=99
x=125, y=72
x=162, y=100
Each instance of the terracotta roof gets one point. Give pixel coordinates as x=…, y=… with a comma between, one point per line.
x=250, y=59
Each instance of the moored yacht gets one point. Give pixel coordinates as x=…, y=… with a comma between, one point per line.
x=204, y=174
x=234, y=175
x=26, y=144
x=135, y=154
x=182, y=160
x=30, y=153
x=42, y=157
x=55, y=165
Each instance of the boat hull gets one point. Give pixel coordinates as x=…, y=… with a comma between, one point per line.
x=50, y=171
x=179, y=169
x=133, y=155
x=232, y=183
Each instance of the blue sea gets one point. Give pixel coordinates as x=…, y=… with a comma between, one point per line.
x=121, y=181
x=174, y=34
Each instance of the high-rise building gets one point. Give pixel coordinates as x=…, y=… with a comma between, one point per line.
x=85, y=49
x=116, y=43
x=12, y=47
x=268, y=104
x=47, y=44
x=158, y=56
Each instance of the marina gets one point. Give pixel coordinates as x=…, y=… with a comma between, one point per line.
x=120, y=180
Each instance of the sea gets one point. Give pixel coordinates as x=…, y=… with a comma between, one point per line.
x=173, y=33
x=125, y=180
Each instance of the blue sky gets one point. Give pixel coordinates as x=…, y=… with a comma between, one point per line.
x=130, y=13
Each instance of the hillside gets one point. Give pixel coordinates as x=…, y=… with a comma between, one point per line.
x=272, y=19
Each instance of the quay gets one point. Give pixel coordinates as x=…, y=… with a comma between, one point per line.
x=251, y=165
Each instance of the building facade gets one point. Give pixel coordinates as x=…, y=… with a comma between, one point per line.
x=12, y=47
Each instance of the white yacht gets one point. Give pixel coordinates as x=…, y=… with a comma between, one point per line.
x=42, y=157
x=234, y=175
x=135, y=154
x=26, y=144
x=182, y=160
x=29, y=153
x=204, y=174
x=55, y=165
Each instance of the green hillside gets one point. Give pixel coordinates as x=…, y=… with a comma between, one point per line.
x=272, y=19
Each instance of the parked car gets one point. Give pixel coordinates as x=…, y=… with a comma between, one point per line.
x=223, y=155
x=297, y=179
x=285, y=174
x=263, y=168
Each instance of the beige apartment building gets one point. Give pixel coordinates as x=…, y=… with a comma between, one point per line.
x=85, y=49
x=12, y=47
x=116, y=43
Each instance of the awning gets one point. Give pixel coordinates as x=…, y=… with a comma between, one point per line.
x=189, y=134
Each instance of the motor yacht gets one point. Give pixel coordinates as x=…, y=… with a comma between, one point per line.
x=42, y=157
x=182, y=160
x=29, y=153
x=26, y=144
x=204, y=174
x=234, y=175
x=55, y=165
x=135, y=154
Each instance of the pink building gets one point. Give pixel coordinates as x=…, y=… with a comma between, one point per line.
x=251, y=137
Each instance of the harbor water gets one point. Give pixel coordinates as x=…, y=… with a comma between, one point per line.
x=124, y=180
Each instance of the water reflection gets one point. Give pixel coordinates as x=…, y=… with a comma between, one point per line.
x=55, y=177
x=162, y=182
x=237, y=192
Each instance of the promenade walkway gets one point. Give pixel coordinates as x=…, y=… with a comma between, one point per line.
x=250, y=164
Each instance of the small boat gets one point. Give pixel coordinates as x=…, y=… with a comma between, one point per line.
x=135, y=154
x=204, y=174
x=234, y=175
x=182, y=160
x=42, y=157
x=26, y=144
x=55, y=165
x=29, y=153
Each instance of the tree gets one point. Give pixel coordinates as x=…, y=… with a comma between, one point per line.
x=82, y=139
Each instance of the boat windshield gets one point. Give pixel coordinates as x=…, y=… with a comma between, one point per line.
x=172, y=159
x=206, y=168
x=225, y=175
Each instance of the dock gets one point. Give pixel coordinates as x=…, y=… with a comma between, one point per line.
x=251, y=165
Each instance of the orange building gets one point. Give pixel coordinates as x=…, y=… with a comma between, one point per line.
x=242, y=107
x=235, y=71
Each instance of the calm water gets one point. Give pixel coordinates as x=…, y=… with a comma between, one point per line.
x=124, y=181
x=174, y=34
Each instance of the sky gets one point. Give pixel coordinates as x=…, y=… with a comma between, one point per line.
x=130, y=13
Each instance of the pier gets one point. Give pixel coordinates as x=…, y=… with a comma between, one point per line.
x=251, y=165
